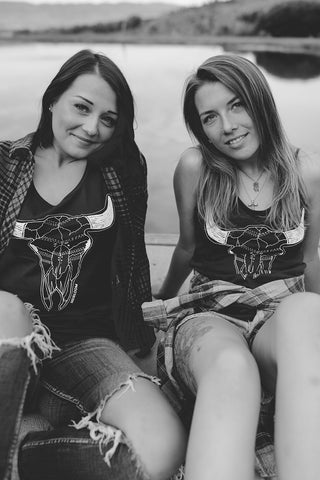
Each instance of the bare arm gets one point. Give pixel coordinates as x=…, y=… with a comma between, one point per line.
x=186, y=178
x=310, y=165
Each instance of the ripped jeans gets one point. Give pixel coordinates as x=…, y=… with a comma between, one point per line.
x=72, y=389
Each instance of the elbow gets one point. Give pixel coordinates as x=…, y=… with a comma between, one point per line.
x=186, y=247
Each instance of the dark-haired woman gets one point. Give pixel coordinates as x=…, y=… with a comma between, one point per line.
x=73, y=275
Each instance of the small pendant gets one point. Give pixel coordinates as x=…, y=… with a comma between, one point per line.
x=256, y=186
x=253, y=204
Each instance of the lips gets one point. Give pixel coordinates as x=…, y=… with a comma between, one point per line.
x=84, y=140
x=233, y=142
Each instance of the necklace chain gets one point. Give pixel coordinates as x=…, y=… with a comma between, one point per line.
x=255, y=181
x=253, y=203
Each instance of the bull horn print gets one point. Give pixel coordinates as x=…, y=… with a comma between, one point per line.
x=99, y=221
x=296, y=235
x=217, y=234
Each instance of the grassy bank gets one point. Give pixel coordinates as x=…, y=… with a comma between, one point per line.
x=232, y=43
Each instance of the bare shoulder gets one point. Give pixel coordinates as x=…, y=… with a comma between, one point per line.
x=191, y=158
x=189, y=164
x=186, y=176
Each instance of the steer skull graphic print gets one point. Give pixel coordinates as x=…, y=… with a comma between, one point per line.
x=255, y=247
x=60, y=243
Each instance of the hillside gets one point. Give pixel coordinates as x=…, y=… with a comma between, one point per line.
x=22, y=15
x=234, y=17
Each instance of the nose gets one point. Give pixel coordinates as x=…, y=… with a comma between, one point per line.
x=228, y=124
x=90, y=126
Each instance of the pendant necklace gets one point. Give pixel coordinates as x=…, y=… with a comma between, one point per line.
x=253, y=201
x=255, y=182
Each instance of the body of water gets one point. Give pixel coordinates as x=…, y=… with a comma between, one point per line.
x=156, y=74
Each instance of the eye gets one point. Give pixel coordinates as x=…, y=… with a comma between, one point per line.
x=209, y=119
x=81, y=107
x=238, y=105
x=110, y=122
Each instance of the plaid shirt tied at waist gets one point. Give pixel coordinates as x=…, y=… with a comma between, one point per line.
x=214, y=296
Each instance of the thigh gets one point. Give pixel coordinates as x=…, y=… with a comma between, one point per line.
x=289, y=335
x=86, y=372
x=199, y=340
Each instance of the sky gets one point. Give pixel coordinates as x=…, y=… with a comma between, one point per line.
x=178, y=2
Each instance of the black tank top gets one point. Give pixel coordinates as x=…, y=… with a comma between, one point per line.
x=59, y=259
x=250, y=254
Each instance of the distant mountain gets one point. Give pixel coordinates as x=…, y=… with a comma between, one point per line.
x=22, y=15
x=232, y=17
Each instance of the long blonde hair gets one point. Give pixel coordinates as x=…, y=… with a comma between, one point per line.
x=217, y=190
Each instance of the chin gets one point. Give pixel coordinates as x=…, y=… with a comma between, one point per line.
x=80, y=154
x=245, y=155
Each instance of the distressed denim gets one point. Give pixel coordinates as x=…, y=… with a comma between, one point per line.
x=14, y=365
x=19, y=359
x=81, y=376
x=68, y=454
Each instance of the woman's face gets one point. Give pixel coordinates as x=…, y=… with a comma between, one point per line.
x=226, y=122
x=84, y=117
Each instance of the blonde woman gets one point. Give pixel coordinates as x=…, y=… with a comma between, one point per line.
x=249, y=209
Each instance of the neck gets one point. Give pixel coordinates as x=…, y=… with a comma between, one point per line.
x=253, y=165
x=53, y=158
x=253, y=170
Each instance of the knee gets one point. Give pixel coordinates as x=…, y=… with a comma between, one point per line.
x=152, y=428
x=161, y=445
x=166, y=450
x=233, y=365
x=15, y=320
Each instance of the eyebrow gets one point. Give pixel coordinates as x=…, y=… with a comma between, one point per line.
x=228, y=103
x=91, y=103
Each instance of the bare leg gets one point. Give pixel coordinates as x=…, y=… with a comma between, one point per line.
x=287, y=350
x=227, y=386
x=152, y=426
x=15, y=320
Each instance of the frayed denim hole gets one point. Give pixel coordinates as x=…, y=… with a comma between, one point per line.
x=105, y=434
x=38, y=344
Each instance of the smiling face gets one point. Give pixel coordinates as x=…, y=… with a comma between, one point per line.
x=225, y=121
x=84, y=117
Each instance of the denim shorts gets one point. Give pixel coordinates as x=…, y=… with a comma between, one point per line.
x=196, y=325
x=80, y=378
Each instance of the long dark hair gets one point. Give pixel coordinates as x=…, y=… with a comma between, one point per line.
x=121, y=149
x=217, y=192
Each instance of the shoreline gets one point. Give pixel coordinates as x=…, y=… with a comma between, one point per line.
x=307, y=45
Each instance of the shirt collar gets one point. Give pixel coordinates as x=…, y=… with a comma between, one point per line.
x=22, y=147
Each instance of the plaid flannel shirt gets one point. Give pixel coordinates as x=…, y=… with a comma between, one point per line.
x=130, y=266
x=206, y=295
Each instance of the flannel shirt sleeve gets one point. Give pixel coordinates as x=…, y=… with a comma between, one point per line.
x=138, y=198
x=138, y=204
